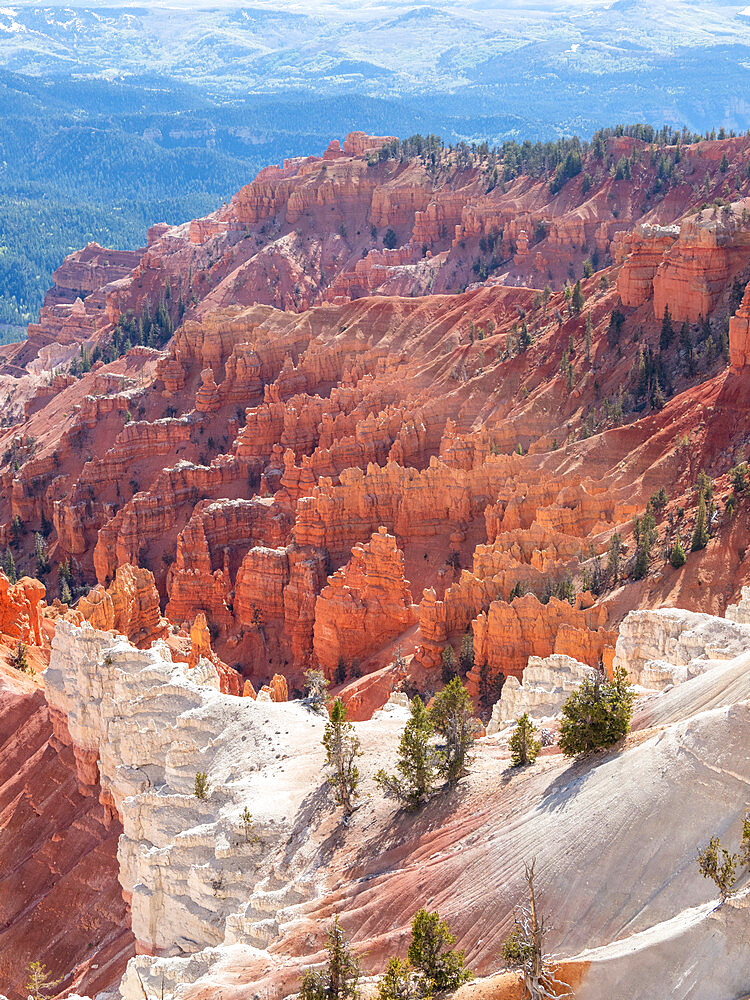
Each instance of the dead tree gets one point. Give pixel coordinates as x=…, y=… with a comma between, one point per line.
x=524, y=949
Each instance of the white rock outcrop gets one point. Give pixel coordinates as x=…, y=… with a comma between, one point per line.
x=547, y=683
x=668, y=646
x=186, y=864
x=740, y=612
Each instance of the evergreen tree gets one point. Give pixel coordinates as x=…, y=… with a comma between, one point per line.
x=18, y=658
x=677, y=556
x=398, y=982
x=448, y=668
x=431, y=953
x=665, y=337
x=342, y=748
x=645, y=535
x=42, y=556
x=613, y=556
x=700, y=529
x=597, y=715
x=524, y=747
x=588, y=336
x=339, y=979
x=40, y=983
x=416, y=760
x=466, y=656
x=9, y=565
x=577, y=301
x=451, y=716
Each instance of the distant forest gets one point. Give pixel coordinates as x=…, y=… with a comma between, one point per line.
x=93, y=160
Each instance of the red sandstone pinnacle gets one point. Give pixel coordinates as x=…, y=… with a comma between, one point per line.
x=19, y=609
x=739, y=334
x=365, y=603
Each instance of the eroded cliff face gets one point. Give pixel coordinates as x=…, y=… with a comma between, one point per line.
x=60, y=899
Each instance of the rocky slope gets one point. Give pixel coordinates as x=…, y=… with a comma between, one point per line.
x=237, y=915
x=268, y=442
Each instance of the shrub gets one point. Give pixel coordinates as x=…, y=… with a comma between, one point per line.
x=398, y=982
x=715, y=862
x=316, y=687
x=524, y=747
x=339, y=978
x=416, y=760
x=251, y=837
x=597, y=715
x=200, y=788
x=430, y=952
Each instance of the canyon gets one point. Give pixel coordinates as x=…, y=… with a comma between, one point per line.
x=389, y=417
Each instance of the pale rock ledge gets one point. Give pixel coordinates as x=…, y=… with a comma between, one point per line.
x=150, y=724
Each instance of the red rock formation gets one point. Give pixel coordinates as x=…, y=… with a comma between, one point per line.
x=508, y=634
x=19, y=609
x=739, y=334
x=366, y=602
x=130, y=605
x=60, y=899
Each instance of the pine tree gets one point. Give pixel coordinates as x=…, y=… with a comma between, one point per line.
x=40, y=983
x=18, y=658
x=416, y=760
x=466, y=656
x=431, y=953
x=665, y=337
x=9, y=565
x=339, y=978
x=700, y=529
x=645, y=532
x=42, y=556
x=577, y=299
x=342, y=748
x=588, y=336
x=524, y=747
x=597, y=715
x=448, y=665
x=613, y=556
x=677, y=556
x=451, y=716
